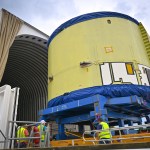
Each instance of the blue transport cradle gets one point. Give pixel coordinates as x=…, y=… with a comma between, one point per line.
x=117, y=104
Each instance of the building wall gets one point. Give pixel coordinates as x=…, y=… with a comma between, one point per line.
x=28, y=29
x=113, y=47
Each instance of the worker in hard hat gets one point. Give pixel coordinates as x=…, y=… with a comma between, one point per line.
x=105, y=134
x=95, y=122
x=42, y=129
x=22, y=132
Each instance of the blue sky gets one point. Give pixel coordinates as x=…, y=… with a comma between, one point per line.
x=47, y=15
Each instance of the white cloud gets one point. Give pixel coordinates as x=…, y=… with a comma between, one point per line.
x=47, y=15
x=47, y=26
x=87, y=6
x=136, y=9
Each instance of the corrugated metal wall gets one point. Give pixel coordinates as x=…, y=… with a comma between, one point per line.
x=27, y=69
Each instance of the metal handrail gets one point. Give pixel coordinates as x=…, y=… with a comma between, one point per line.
x=30, y=123
x=2, y=134
x=115, y=129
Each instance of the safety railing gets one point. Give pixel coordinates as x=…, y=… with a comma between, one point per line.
x=11, y=136
x=3, y=136
x=121, y=137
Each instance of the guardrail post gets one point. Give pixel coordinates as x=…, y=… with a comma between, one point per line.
x=49, y=134
x=7, y=136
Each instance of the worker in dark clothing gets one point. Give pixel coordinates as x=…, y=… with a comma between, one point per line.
x=104, y=134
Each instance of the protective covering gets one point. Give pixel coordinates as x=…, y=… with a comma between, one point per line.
x=110, y=91
x=89, y=16
x=9, y=28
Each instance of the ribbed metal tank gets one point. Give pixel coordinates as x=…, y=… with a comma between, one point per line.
x=97, y=49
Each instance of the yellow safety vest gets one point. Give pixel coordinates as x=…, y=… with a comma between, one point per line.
x=43, y=134
x=20, y=134
x=106, y=133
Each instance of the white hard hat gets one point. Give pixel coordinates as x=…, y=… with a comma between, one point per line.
x=42, y=121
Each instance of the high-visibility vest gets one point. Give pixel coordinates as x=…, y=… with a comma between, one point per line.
x=21, y=134
x=105, y=133
x=43, y=134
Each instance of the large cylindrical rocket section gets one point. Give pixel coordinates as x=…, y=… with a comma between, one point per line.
x=106, y=49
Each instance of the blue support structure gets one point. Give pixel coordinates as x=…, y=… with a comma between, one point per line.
x=61, y=132
x=74, y=119
x=118, y=115
x=121, y=122
x=130, y=109
x=100, y=108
